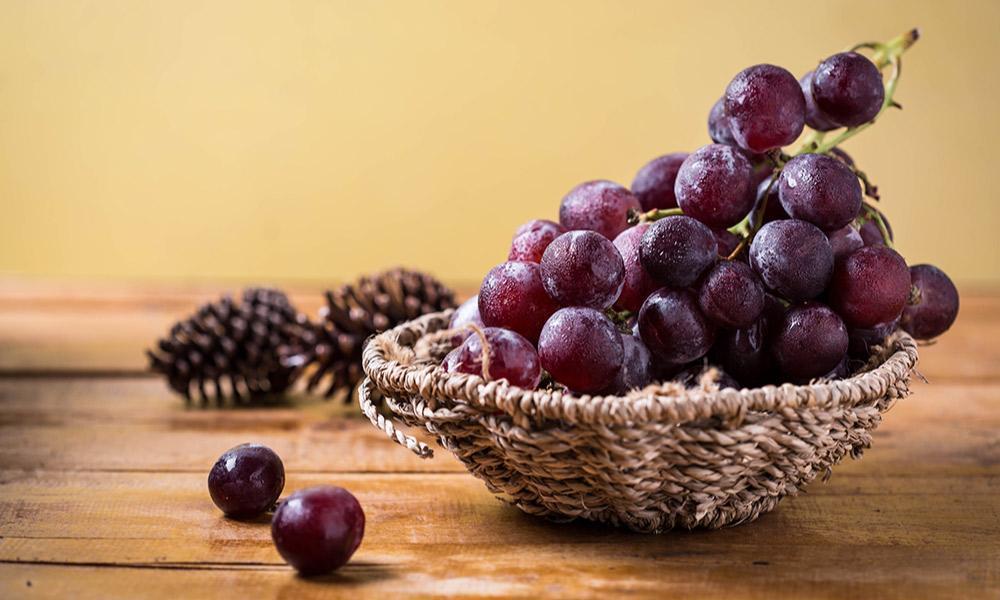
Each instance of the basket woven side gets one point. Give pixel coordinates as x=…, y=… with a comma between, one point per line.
x=655, y=459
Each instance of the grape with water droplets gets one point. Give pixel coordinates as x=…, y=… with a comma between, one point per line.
x=466, y=314
x=317, y=530
x=246, y=481
x=512, y=296
x=870, y=286
x=936, y=303
x=654, y=183
x=731, y=294
x=600, y=206
x=637, y=368
x=673, y=327
x=637, y=283
x=809, y=341
x=814, y=116
x=532, y=239
x=583, y=268
x=844, y=241
x=870, y=231
x=715, y=185
x=718, y=124
x=512, y=357
x=821, y=190
x=726, y=241
x=676, y=250
x=766, y=108
x=793, y=258
x=581, y=349
x=848, y=89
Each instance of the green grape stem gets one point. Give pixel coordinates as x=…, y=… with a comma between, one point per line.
x=654, y=215
x=874, y=215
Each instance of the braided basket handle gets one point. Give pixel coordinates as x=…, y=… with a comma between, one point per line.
x=386, y=425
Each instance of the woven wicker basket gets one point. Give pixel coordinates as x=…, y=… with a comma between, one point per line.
x=658, y=458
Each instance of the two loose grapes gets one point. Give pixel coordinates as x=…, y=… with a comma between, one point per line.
x=771, y=265
x=316, y=530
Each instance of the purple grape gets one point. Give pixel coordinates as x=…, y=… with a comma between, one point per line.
x=583, y=268
x=936, y=304
x=718, y=124
x=726, y=240
x=676, y=250
x=821, y=190
x=809, y=341
x=532, y=239
x=673, y=328
x=637, y=369
x=317, y=530
x=842, y=156
x=793, y=258
x=848, y=89
x=814, y=116
x=466, y=314
x=766, y=108
x=581, y=349
x=870, y=286
x=715, y=185
x=746, y=353
x=844, y=241
x=600, y=206
x=511, y=357
x=731, y=294
x=870, y=232
x=246, y=481
x=638, y=283
x=841, y=371
x=862, y=340
x=512, y=296
x=654, y=183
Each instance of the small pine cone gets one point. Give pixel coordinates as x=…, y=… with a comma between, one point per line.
x=231, y=348
x=331, y=348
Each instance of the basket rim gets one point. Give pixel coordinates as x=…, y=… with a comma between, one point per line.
x=662, y=403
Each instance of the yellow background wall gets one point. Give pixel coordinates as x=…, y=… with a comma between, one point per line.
x=318, y=140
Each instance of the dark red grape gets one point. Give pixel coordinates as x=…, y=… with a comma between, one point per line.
x=638, y=283
x=746, y=353
x=316, y=530
x=731, y=294
x=793, y=258
x=583, y=268
x=715, y=185
x=512, y=296
x=600, y=206
x=511, y=357
x=863, y=339
x=848, y=89
x=673, y=328
x=820, y=190
x=726, y=241
x=246, y=481
x=677, y=250
x=654, y=183
x=581, y=349
x=844, y=241
x=870, y=286
x=936, y=304
x=809, y=341
x=870, y=232
x=637, y=368
x=814, y=116
x=766, y=108
x=532, y=239
x=718, y=124
x=466, y=314
x=773, y=211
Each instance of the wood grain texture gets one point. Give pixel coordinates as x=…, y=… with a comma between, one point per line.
x=102, y=488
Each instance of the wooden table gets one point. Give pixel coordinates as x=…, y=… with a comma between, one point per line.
x=102, y=486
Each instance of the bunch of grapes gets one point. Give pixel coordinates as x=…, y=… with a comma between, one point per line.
x=772, y=266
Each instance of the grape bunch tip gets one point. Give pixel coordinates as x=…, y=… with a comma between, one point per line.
x=745, y=258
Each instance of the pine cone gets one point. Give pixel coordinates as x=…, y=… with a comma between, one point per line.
x=232, y=347
x=331, y=347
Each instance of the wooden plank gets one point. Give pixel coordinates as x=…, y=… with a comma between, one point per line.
x=136, y=424
x=427, y=533
x=62, y=328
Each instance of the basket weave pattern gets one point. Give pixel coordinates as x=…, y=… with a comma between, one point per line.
x=658, y=458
